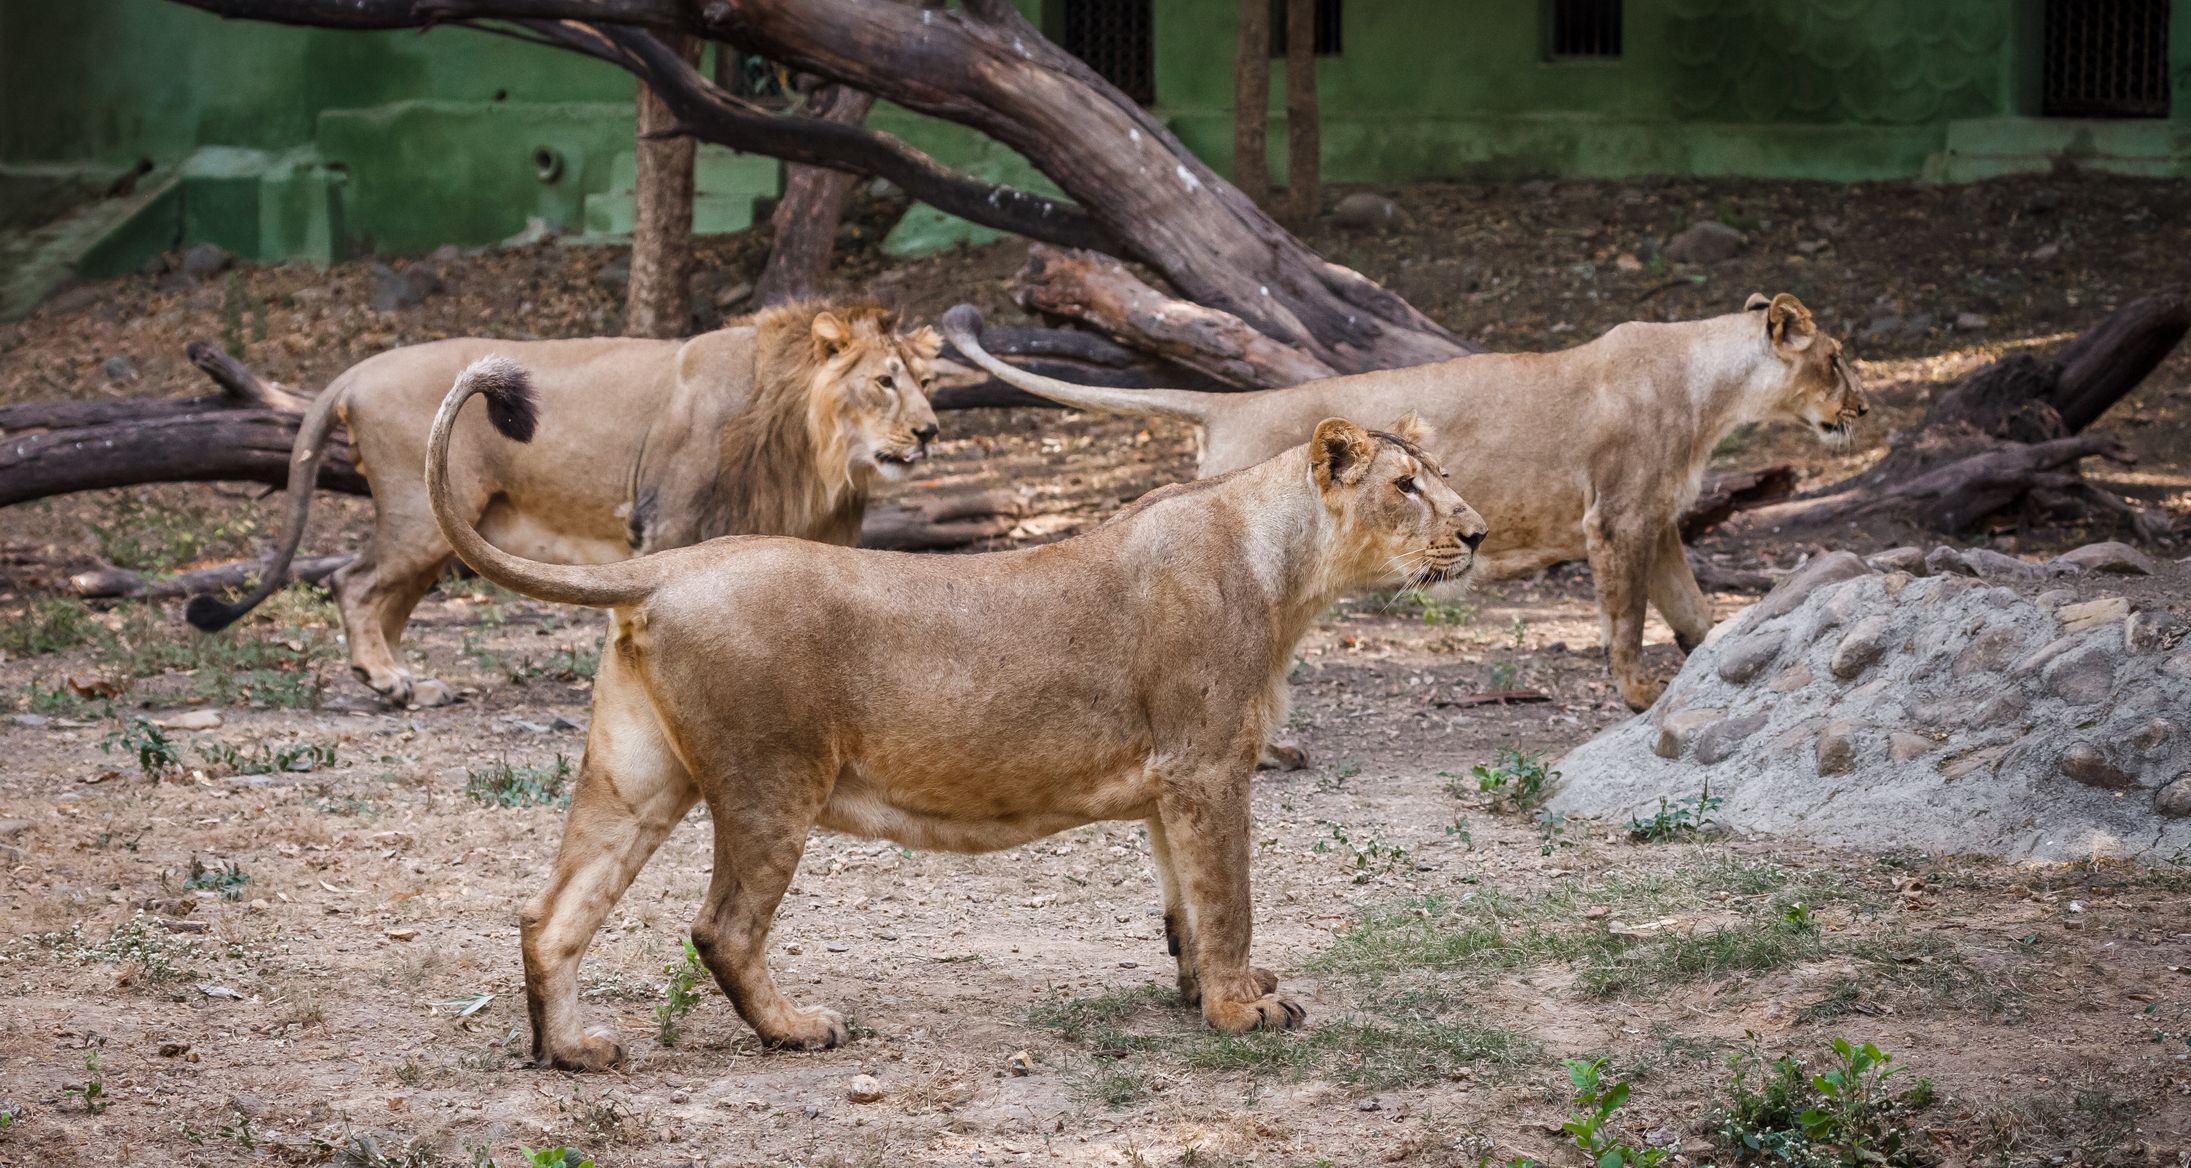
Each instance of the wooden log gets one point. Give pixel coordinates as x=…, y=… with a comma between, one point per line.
x=112, y=582
x=1098, y=291
x=222, y=445
x=806, y=218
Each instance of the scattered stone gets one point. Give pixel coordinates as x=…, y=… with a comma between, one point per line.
x=2155, y=629
x=1370, y=1104
x=1678, y=729
x=193, y=720
x=2004, y=706
x=1719, y=740
x=614, y=276
x=2055, y=597
x=205, y=259
x=1797, y=586
x=1837, y=748
x=1901, y=559
x=2110, y=556
x=1704, y=242
x=1903, y=746
x=1364, y=211
x=2174, y=800
x=1988, y=564
x=2091, y=614
x=174, y=1048
x=29, y=721
x=10, y=828
x=1971, y=322
x=1988, y=651
x=119, y=368
x=537, y=230
x=1944, y=560
x=394, y=289
x=1749, y=656
x=1894, y=582
x=1627, y=262
x=2081, y=677
x=1968, y=764
x=680, y=1095
x=864, y=1089
x=1020, y=1063
x=1791, y=679
x=2153, y=738
x=404, y=934
x=447, y=253
x=2088, y=764
x=1865, y=643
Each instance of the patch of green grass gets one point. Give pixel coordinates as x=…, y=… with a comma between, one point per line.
x=1746, y=947
x=161, y=530
x=233, y=667
x=222, y=758
x=1591, y=1126
x=159, y=957
x=50, y=625
x=1684, y=818
x=155, y=752
x=1371, y=858
x=503, y=785
x=1435, y=611
x=1516, y=782
x=58, y=702
x=224, y=877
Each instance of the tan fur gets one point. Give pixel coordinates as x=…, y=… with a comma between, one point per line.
x=1591, y=453
x=965, y=703
x=777, y=424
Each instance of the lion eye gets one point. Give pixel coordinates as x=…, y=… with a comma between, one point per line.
x=1406, y=483
x=887, y=382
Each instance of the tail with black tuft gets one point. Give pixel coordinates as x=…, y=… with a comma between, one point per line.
x=512, y=406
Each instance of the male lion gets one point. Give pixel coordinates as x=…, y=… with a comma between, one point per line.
x=1589, y=453
x=959, y=702
x=777, y=425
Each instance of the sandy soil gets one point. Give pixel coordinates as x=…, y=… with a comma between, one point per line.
x=1451, y=949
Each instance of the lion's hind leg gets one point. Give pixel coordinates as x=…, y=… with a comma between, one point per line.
x=632, y=792
x=761, y=817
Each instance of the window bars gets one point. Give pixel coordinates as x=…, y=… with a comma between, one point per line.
x=2105, y=59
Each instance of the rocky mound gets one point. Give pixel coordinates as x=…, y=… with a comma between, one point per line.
x=1961, y=701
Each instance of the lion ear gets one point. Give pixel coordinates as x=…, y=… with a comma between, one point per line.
x=1412, y=427
x=926, y=342
x=831, y=330
x=1756, y=301
x=1789, y=324
x=1340, y=452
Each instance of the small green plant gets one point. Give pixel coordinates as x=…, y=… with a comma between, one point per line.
x=1439, y=612
x=93, y=1093
x=52, y=625
x=1684, y=818
x=1551, y=832
x=57, y=702
x=1371, y=859
x=265, y=759
x=503, y=785
x=1458, y=829
x=1516, y=782
x=1844, y=1116
x=156, y=753
x=1589, y=1127
x=681, y=994
x=225, y=877
x=555, y=1158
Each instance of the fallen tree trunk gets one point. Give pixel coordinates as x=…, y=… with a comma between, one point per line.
x=112, y=582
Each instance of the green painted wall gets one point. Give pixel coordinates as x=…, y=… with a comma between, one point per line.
x=309, y=143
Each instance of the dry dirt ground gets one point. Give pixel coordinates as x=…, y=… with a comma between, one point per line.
x=297, y=943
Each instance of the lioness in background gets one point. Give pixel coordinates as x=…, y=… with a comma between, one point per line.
x=1589, y=453
x=959, y=702
x=777, y=425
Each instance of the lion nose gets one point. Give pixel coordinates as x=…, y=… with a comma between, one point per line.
x=926, y=433
x=1472, y=538
x=1862, y=409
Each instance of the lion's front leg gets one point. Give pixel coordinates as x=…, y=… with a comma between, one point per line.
x=1620, y=551
x=761, y=823
x=1200, y=842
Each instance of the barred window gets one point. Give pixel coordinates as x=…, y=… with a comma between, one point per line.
x=1116, y=39
x=1583, y=28
x=2105, y=59
x=1327, y=22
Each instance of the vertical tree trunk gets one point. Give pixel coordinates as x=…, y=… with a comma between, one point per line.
x=1304, y=137
x=659, y=300
x=1251, y=102
x=814, y=200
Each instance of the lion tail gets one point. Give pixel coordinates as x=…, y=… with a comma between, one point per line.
x=962, y=325
x=513, y=409
x=213, y=614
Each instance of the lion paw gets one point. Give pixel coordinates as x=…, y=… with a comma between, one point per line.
x=1269, y=1012
x=1266, y=982
x=428, y=692
x=598, y=1050
x=813, y=1028
x=1282, y=756
x=1641, y=694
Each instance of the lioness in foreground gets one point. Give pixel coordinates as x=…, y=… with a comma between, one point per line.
x=777, y=425
x=966, y=703
x=1589, y=453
